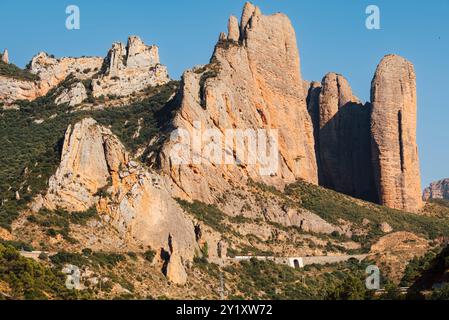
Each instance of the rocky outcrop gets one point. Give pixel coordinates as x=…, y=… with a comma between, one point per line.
x=437, y=190
x=253, y=83
x=130, y=69
x=12, y=89
x=73, y=96
x=343, y=139
x=5, y=56
x=52, y=71
x=393, y=129
x=95, y=170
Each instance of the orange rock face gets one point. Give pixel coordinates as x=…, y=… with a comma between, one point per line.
x=253, y=82
x=393, y=128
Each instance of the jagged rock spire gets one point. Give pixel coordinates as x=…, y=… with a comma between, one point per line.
x=5, y=56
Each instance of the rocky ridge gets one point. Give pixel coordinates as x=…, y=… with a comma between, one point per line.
x=96, y=171
x=126, y=70
x=437, y=190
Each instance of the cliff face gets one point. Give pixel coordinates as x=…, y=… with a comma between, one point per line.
x=393, y=129
x=343, y=138
x=253, y=82
x=437, y=190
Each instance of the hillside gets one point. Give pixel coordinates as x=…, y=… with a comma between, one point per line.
x=240, y=181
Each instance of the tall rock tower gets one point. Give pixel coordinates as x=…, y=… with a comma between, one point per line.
x=5, y=56
x=344, y=140
x=253, y=81
x=393, y=130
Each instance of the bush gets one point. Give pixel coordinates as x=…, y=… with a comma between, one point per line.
x=149, y=255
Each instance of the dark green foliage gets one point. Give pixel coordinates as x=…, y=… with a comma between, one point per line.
x=417, y=266
x=12, y=71
x=268, y=280
x=441, y=293
x=32, y=280
x=332, y=206
x=58, y=221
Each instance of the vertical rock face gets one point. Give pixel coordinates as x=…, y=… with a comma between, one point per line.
x=251, y=84
x=393, y=128
x=437, y=190
x=344, y=140
x=129, y=69
x=137, y=205
x=52, y=71
x=5, y=56
x=73, y=96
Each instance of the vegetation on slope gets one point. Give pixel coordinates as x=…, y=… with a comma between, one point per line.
x=12, y=71
x=332, y=206
x=266, y=280
x=31, y=150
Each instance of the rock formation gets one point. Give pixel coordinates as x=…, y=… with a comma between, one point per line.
x=253, y=83
x=437, y=190
x=53, y=71
x=5, y=56
x=129, y=69
x=124, y=71
x=393, y=129
x=73, y=96
x=343, y=139
x=95, y=170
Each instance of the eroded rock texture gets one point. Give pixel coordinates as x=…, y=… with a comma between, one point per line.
x=437, y=190
x=5, y=56
x=252, y=82
x=393, y=129
x=95, y=170
x=343, y=137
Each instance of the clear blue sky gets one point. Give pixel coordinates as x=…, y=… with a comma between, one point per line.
x=331, y=37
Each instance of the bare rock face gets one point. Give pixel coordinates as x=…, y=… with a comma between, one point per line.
x=83, y=169
x=73, y=95
x=95, y=170
x=53, y=71
x=5, y=56
x=130, y=69
x=393, y=128
x=12, y=89
x=175, y=272
x=344, y=155
x=254, y=83
x=437, y=190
